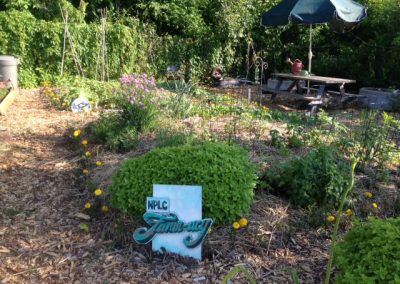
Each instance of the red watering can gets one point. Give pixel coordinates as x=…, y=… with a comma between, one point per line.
x=297, y=66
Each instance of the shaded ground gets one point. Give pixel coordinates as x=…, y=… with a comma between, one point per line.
x=40, y=240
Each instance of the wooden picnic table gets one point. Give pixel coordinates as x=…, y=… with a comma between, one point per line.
x=322, y=83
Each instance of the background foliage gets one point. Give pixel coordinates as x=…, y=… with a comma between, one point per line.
x=146, y=36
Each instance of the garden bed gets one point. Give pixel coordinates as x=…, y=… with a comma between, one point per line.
x=7, y=97
x=42, y=173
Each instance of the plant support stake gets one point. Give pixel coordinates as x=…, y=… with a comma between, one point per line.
x=337, y=222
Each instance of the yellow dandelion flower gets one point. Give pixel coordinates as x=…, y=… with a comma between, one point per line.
x=77, y=133
x=85, y=171
x=98, y=192
x=236, y=225
x=375, y=205
x=84, y=142
x=99, y=163
x=105, y=208
x=88, y=205
x=330, y=218
x=349, y=212
x=368, y=194
x=88, y=154
x=243, y=222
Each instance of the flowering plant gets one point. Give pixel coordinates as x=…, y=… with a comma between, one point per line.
x=139, y=101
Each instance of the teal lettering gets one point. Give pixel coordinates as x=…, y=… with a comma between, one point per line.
x=193, y=226
x=169, y=223
x=203, y=226
x=144, y=235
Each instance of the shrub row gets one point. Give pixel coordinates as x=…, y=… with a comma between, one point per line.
x=38, y=44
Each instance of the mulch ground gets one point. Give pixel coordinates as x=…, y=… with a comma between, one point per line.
x=41, y=196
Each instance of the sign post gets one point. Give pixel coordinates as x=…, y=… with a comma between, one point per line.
x=175, y=216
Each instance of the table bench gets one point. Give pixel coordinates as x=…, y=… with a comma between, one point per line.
x=322, y=92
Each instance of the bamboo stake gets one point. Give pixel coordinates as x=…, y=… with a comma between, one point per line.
x=77, y=62
x=64, y=45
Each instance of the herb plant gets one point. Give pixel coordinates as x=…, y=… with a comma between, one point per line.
x=318, y=178
x=225, y=173
x=370, y=253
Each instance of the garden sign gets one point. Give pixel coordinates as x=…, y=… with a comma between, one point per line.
x=174, y=215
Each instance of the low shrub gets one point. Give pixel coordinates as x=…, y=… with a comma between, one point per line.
x=370, y=253
x=318, y=178
x=374, y=139
x=114, y=132
x=225, y=173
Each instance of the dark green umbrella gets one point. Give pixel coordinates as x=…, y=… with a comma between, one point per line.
x=341, y=14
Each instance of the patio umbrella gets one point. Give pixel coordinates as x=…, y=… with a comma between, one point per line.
x=341, y=14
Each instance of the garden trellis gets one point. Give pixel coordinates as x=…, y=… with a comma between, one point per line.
x=67, y=36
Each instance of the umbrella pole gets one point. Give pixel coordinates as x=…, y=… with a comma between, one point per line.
x=310, y=54
x=309, y=60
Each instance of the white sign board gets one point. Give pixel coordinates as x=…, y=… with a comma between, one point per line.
x=174, y=215
x=185, y=202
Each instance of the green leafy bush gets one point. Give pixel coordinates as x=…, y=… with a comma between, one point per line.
x=318, y=178
x=370, y=253
x=225, y=173
x=37, y=43
x=112, y=130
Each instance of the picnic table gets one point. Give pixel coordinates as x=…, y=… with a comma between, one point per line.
x=321, y=83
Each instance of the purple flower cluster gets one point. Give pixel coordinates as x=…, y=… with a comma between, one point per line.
x=137, y=88
x=138, y=82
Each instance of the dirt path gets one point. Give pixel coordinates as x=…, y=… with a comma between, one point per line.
x=39, y=234
x=40, y=238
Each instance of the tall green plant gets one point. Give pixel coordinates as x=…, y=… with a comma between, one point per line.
x=337, y=220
